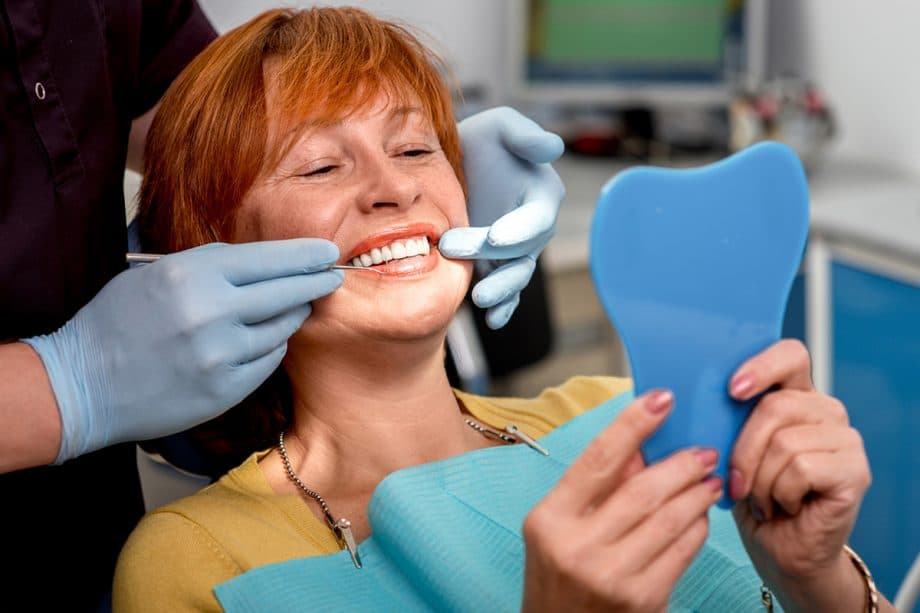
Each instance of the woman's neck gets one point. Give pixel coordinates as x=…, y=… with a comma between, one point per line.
x=359, y=417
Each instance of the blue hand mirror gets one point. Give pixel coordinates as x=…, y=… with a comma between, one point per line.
x=694, y=267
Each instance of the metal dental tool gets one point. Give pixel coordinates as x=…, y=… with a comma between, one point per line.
x=147, y=258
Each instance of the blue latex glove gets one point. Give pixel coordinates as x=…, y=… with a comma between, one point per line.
x=514, y=197
x=166, y=346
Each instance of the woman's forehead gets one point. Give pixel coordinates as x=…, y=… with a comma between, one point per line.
x=293, y=96
x=405, y=111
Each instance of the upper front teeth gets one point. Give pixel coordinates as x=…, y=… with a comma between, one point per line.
x=396, y=250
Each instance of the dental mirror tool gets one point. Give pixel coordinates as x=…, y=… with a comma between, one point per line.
x=147, y=258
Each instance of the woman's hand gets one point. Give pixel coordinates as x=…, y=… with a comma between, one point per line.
x=614, y=534
x=803, y=471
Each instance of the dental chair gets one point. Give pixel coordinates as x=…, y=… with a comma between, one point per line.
x=477, y=355
x=909, y=593
x=467, y=366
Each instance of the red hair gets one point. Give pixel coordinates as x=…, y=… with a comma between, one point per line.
x=210, y=140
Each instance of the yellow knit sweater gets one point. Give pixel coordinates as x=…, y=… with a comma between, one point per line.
x=180, y=552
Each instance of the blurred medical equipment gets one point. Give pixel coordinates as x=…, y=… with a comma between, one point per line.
x=147, y=258
x=790, y=111
x=635, y=53
x=155, y=351
x=694, y=268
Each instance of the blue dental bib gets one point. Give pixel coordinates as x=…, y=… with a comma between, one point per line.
x=694, y=268
x=447, y=537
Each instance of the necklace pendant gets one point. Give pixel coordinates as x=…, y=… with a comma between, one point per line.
x=343, y=531
x=524, y=438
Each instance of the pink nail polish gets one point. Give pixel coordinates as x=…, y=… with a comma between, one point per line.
x=736, y=484
x=659, y=402
x=707, y=457
x=715, y=484
x=741, y=386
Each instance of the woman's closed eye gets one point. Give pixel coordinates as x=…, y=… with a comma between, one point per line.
x=414, y=151
x=321, y=170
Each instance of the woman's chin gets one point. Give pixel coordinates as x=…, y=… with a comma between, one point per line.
x=403, y=318
x=407, y=319
x=384, y=333
x=420, y=332
x=402, y=310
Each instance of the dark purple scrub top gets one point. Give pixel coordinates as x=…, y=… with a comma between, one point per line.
x=73, y=74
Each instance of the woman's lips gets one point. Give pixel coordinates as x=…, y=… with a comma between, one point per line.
x=394, y=234
x=399, y=251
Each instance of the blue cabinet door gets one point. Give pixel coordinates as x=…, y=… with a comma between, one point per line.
x=876, y=373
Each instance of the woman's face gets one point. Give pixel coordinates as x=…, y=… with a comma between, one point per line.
x=378, y=185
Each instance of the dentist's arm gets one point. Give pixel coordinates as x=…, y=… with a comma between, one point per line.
x=161, y=348
x=514, y=197
x=30, y=426
x=30, y=423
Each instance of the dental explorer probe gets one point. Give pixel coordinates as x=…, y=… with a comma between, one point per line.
x=147, y=258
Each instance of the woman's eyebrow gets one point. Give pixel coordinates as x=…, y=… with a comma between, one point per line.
x=405, y=111
x=410, y=117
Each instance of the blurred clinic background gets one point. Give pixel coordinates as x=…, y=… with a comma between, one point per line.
x=684, y=83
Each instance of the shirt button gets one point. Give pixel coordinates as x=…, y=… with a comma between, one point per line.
x=39, y=91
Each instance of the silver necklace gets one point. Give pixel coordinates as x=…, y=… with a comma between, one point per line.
x=511, y=434
x=341, y=528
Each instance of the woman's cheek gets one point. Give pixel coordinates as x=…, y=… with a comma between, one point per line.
x=460, y=217
x=326, y=315
x=467, y=266
x=330, y=303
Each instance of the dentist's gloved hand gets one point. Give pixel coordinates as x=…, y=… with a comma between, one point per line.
x=166, y=346
x=514, y=197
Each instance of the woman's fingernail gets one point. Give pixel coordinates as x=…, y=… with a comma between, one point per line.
x=741, y=385
x=736, y=484
x=659, y=402
x=707, y=457
x=756, y=511
x=715, y=484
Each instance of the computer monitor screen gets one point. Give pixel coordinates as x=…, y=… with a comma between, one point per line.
x=654, y=52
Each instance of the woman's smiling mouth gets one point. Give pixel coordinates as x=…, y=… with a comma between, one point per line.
x=399, y=251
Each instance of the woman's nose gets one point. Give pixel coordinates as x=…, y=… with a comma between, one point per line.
x=387, y=186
